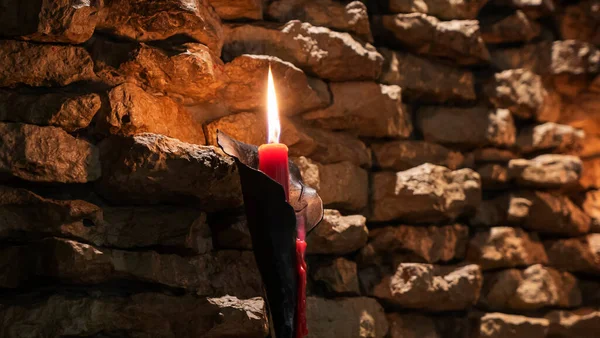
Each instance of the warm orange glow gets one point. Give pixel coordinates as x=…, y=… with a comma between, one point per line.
x=272, y=111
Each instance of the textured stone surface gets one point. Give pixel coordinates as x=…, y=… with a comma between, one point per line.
x=516, y=27
x=552, y=213
x=351, y=17
x=337, y=276
x=70, y=111
x=500, y=325
x=492, y=155
x=344, y=186
x=142, y=315
x=533, y=8
x=581, y=22
x=582, y=323
x=580, y=254
x=412, y=326
x=403, y=155
x=504, y=247
x=316, y=50
x=467, y=127
x=530, y=289
x=427, y=193
x=426, y=80
x=431, y=287
x=443, y=9
x=550, y=136
x=150, y=168
x=345, y=317
x=163, y=19
x=353, y=106
x=493, y=176
x=457, y=39
x=247, y=80
x=518, y=90
x=238, y=9
x=546, y=171
x=338, y=234
x=46, y=154
x=29, y=64
x=133, y=111
x=591, y=206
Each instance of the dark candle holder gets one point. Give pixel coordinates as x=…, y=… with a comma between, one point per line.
x=273, y=228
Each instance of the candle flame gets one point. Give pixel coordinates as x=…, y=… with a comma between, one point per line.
x=272, y=111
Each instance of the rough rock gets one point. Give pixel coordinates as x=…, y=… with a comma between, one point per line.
x=142, y=315
x=494, y=155
x=163, y=19
x=591, y=206
x=323, y=146
x=353, y=106
x=590, y=178
x=580, y=254
x=351, y=18
x=546, y=171
x=550, y=136
x=337, y=276
x=500, y=325
x=518, y=90
x=516, y=27
x=459, y=40
x=533, y=288
x=316, y=50
x=581, y=323
x=239, y=9
x=150, y=168
x=493, y=176
x=431, y=287
x=296, y=93
x=429, y=244
x=70, y=111
x=337, y=234
x=25, y=63
x=580, y=21
x=426, y=80
x=504, y=209
x=411, y=326
x=133, y=111
x=230, y=230
x=443, y=9
x=533, y=8
x=46, y=154
x=467, y=127
x=590, y=292
x=403, y=155
x=345, y=317
x=504, y=247
x=427, y=193
x=50, y=20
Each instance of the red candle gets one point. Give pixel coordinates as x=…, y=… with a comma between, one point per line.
x=273, y=161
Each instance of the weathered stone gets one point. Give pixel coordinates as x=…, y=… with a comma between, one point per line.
x=140, y=315
x=492, y=155
x=575, y=254
x=46, y=154
x=344, y=186
x=337, y=234
x=517, y=90
x=504, y=247
x=411, y=326
x=516, y=27
x=590, y=292
x=443, y=9
x=591, y=206
x=530, y=289
x=550, y=213
x=459, y=40
x=415, y=243
x=345, y=317
x=351, y=18
x=316, y=50
x=493, y=176
x=427, y=193
x=590, y=178
x=500, y=325
x=403, y=155
x=550, y=136
x=322, y=146
x=230, y=231
x=49, y=20
x=245, y=89
x=546, y=171
x=425, y=80
x=353, y=106
x=163, y=19
x=150, y=168
x=467, y=127
x=581, y=21
x=533, y=8
x=431, y=287
x=69, y=111
x=35, y=65
x=336, y=276
x=499, y=211
x=581, y=323
x=238, y=9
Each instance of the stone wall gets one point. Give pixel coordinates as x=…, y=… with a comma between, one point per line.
x=442, y=135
